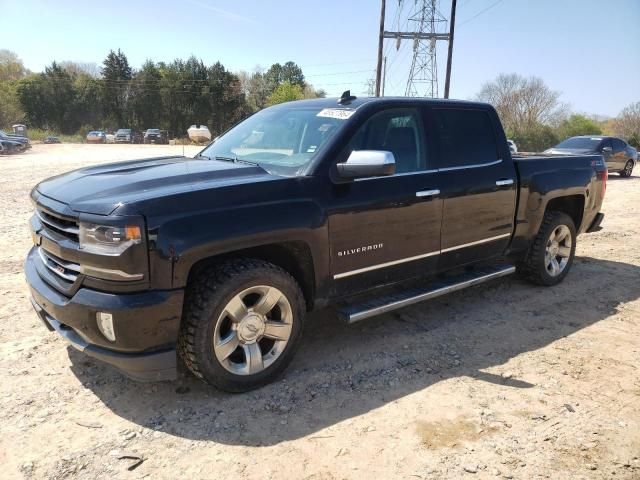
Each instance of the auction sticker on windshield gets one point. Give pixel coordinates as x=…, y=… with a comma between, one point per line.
x=339, y=113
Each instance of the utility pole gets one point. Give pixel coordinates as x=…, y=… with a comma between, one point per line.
x=452, y=26
x=384, y=74
x=380, y=45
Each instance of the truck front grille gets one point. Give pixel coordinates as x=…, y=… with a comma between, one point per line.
x=58, y=224
x=63, y=268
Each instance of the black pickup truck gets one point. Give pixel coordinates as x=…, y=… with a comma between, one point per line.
x=362, y=205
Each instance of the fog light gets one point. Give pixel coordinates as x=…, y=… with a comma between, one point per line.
x=105, y=325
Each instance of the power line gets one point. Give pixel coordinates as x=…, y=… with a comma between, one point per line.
x=480, y=13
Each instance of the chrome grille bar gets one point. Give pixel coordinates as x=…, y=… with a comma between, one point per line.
x=48, y=219
x=58, y=266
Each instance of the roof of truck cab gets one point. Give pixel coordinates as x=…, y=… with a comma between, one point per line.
x=359, y=101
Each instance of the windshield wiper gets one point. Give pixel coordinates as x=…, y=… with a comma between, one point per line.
x=199, y=156
x=233, y=159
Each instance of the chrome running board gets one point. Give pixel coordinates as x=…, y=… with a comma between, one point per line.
x=355, y=313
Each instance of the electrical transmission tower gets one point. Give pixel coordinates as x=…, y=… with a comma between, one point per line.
x=423, y=75
x=429, y=26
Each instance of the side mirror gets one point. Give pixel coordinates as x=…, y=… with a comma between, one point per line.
x=367, y=163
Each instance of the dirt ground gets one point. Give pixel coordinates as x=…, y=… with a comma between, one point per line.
x=505, y=380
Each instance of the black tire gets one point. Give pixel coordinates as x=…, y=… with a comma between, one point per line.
x=534, y=266
x=206, y=298
x=628, y=169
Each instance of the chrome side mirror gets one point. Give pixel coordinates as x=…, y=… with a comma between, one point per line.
x=367, y=163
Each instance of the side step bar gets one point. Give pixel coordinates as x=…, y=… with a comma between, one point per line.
x=357, y=312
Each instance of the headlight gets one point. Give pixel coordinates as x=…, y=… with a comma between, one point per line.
x=108, y=239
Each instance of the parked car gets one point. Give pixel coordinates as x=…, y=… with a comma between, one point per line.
x=155, y=135
x=124, y=135
x=618, y=154
x=513, y=148
x=9, y=147
x=24, y=141
x=97, y=136
x=51, y=139
x=303, y=205
x=110, y=138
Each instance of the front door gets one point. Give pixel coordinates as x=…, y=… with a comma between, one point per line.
x=478, y=186
x=386, y=228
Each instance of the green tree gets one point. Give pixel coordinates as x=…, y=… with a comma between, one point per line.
x=146, y=102
x=116, y=79
x=286, y=92
x=536, y=138
x=578, y=125
x=47, y=97
x=10, y=108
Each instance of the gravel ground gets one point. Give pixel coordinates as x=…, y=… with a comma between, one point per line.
x=505, y=380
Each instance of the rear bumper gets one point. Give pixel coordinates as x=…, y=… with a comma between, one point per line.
x=146, y=325
x=595, y=224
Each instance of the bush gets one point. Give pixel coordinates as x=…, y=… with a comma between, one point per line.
x=37, y=134
x=535, y=139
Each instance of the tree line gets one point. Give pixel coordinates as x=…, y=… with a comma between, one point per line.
x=535, y=118
x=70, y=97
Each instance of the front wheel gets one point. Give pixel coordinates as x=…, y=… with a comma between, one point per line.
x=243, y=322
x=551, y=254
x=628, y=169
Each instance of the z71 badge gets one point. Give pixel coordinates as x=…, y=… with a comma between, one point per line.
x=363, y=249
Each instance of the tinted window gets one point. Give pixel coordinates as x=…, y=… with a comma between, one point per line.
x=618, y=145
x=466, y=137
x=398, y=131
x=581, y=143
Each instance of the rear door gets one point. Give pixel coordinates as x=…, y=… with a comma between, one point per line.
x=619, y=156
x=386, y=229
x=477, y=180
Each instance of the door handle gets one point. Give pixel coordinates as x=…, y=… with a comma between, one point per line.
x=504, y=181
x=428, y=193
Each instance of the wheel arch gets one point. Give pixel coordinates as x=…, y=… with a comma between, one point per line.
x=572, y=205
x=295, y=257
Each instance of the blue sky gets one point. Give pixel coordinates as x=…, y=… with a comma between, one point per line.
x=589, y=50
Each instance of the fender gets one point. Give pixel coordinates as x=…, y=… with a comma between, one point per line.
x=538, y=189
x=223, y=231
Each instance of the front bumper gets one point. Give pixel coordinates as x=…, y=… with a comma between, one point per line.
x=146, y=325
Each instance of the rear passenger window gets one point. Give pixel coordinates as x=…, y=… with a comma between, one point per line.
x=618, y=145
x=466, y=137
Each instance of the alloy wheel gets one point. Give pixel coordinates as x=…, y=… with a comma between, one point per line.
x=558, y=250
x=253, y=330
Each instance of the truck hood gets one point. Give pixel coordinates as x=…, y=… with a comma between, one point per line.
x=101, y=189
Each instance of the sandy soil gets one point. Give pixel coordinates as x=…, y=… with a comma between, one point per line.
x=504, y=380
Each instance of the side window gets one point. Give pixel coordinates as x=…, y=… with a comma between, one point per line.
x=606, y=143
x=466, y=137
x=398, y=131
x=618, y=145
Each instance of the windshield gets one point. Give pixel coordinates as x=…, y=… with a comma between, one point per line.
x=153, y=130
x=582, y=143
x=282, y=140
x=124, y=130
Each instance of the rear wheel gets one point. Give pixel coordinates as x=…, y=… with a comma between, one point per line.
x=628, y=169
x=551, y=255
x=243, y=322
